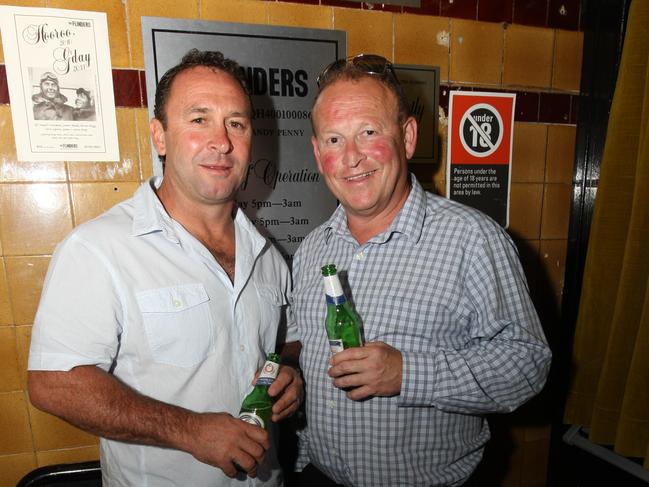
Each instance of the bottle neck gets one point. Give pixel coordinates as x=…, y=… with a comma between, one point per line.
x=332, y=287
x=336, y=300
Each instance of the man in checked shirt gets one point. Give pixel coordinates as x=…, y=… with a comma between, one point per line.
x=450, y=331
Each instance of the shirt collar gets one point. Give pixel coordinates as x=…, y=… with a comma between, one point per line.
x=409, y=221
x=150, y=215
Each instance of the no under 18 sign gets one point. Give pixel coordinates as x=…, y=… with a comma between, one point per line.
x=480, y=137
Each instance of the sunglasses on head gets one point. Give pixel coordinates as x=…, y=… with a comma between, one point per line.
x=371, y=64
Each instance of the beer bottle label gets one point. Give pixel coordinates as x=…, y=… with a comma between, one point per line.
x=252, y=418
x=336, y=345
x=268, y=374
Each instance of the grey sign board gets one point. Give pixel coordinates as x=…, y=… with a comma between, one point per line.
x=284, y=195
x=421, y=86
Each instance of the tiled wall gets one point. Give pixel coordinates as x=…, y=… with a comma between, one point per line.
x=530, y=47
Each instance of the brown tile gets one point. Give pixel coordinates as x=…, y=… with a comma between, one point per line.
x=92, y=199
x=23, y=340
x=527, y=106
x=367, y=32
x=528, y=253
x=574, y=109
x=525, y=210
x=531, y=12
x=563, y=14
x=535, y=461
x=528, y=158
x=52, y=433
x=553, y=261
x=496, y=11
x=126, y=85
x=15, y=467
x=4, y=87
x=15, y=436
x=136, y=9
x=35, y=217
x=556, y=211
x=12, y=170
x=460, y=9
x=554, y=108
x=144, y=144
x=127, y=168
x=72, y=455
x=476, y=52
x=308, y=16
x=6, y=313
x=311, y=2
x=444, y=95
x=142, y=75
x=561, y=153
x=423, y=172
x=245, y=11
x=25, y=276
x=116, y=19
x=528, y=56
x=422, y=40
x=537, y=432
x=10, y=371
x=342, y=3
x=426, y=7
x=566, y=73
x=383, y=7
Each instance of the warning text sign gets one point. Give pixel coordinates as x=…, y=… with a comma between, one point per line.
x=480, y=136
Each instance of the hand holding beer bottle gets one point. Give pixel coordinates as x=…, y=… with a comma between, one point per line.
x=342, y=323
x=257, y=407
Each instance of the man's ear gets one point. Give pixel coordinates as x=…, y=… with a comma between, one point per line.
x=410, y=136
x=158, y=136
x=316, y=152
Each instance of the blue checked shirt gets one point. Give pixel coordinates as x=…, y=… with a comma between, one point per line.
x=443, y=284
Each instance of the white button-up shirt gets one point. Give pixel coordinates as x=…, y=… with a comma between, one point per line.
x=136, y=294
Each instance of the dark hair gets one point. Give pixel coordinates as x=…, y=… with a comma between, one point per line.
x=195, y=58
x=365, y=66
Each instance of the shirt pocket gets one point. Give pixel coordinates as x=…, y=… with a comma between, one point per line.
x=177, y=323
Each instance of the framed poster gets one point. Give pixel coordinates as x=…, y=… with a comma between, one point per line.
x=421, y=86
x=60, y=84
x=283, y=194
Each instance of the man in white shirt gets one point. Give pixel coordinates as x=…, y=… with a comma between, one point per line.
x=156, y=315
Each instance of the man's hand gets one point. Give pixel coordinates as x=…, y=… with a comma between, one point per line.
x=288, y=388
x=226, y=442
x=372, y=370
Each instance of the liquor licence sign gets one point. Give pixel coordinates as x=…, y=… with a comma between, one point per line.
x=480, y=137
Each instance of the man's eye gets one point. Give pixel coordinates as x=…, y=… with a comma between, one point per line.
x=333, y=140
x=236, y=125
x=370, y=132
x=198, y=120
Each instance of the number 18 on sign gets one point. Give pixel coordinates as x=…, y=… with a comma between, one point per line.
x=480, y=136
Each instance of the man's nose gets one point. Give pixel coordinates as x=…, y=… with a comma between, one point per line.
x=220, y=140
x=353, y=154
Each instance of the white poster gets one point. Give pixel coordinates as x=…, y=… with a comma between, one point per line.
x=60, y=84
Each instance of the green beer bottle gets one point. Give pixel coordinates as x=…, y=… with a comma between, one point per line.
x=257, y=406
x=342, y=323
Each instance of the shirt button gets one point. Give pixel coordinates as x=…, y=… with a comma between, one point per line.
x=334, y=452
x=331, y=404
x=360, y=255
x=177, y=303
x=242, y=348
